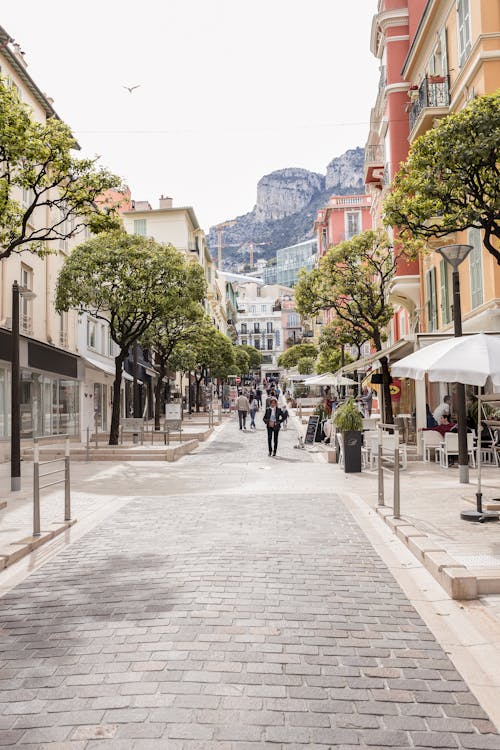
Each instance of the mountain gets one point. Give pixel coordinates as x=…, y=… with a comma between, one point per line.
x=287, y=201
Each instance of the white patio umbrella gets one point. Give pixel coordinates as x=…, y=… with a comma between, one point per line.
x=328, y=378
x=463, y=359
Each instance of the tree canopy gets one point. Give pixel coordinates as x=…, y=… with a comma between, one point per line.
x=451, y=179
x=127, y=281
x=46, y=193
x=291, y=357
x=353, y=280
x=254, y=356
x=242, y=360
x=305, y=365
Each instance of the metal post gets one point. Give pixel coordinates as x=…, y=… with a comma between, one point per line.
x=15, y=427
x=463, y=458
x=380, y=474
x=396, y=492
x=36, y=488
x=67, y=494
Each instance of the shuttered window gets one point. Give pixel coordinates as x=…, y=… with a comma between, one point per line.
x=476, y=268
x=445, y=288
x=463, y=23
x=431, y=299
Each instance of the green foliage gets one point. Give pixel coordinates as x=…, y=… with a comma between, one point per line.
x=333, y=336
x=291, y=357
x=347, y=417
x=254, y=355
x=305, y=365
x=36, y=162
x=451, y=179
x=242, y=360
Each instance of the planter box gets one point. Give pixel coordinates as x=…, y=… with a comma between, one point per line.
x=352, y=451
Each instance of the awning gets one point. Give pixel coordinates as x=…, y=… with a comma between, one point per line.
x=105, y=367
x=398, y=350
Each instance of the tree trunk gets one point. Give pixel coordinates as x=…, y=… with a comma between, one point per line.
x=386, y=387
x=159, y=389
x=115, y=413
x=198, y=384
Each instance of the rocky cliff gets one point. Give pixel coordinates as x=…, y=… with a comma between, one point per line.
x=287, y=201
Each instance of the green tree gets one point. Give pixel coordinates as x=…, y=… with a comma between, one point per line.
x=255, y=356
x=451, y=179
x=178, y=323
x=126, y=281
x=291, y=357
x=213, y=352
x=353, y=280
x=305, y=365
x=46, y=193
x=242, y=360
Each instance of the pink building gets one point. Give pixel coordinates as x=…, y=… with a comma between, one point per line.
x=290, y=322
x=342, y=218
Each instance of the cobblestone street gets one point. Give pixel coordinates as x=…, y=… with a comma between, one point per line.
x=234, y=610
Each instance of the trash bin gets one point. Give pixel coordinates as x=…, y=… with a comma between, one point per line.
x=352, y=451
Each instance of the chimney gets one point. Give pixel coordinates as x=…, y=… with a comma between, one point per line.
x=165, y=202
x=19, y=55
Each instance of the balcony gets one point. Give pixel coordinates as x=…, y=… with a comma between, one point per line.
x=26, y=324
x=429, y=101
x=374, y=164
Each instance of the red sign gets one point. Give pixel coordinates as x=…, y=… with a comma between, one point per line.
x=238, y=380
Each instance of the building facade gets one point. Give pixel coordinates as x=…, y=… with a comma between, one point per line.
x=291, y=260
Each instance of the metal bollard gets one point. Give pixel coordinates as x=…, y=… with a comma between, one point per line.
x=380, y=476
x=396, y=495
x=67, y=494
x=36, y=488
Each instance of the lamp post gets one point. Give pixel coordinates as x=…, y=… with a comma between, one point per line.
x=15, y=426
x=455, y=255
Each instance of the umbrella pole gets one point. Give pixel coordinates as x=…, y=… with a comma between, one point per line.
x=479, y=514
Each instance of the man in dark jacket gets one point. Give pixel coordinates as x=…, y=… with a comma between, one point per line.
x=273, y=417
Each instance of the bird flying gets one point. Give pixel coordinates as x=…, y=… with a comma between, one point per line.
x=131, y=88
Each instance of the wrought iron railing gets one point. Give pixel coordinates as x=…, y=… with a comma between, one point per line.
x=433, y=92
x=375, y=154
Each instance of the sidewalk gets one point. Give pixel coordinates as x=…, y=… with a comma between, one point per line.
x=463, y=556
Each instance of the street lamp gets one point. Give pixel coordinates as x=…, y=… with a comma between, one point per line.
x=15, y=427
x=455, y=255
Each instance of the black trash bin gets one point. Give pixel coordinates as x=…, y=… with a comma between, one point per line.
x=352, y=451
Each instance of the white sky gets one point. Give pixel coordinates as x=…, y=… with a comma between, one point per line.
x=229, y=90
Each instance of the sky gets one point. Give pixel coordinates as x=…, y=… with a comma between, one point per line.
x=228, y=90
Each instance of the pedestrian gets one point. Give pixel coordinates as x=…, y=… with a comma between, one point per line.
x=254, y=408
x=273, y=418
x=271, y=395
x=258, y=394
x=243, y=408
x=284, y=421
x=367, y=400
x=442, y=408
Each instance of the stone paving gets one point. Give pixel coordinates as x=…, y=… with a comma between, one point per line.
x=227, y=618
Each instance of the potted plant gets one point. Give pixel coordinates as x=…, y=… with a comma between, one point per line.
x=349, y=422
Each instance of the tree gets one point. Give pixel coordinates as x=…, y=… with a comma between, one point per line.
x=353, y=280
x=332, y=355
x=255, y=356
x=291, y=357
x=126, y=281
x=451, y=179
x=179, y=323
x=213, y=352
x=242, y=360
x=46, y=193
x=305, y=365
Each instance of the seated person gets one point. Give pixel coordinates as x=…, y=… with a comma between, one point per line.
x=444, y=425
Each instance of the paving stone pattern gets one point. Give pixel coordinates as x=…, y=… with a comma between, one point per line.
x=226, y=622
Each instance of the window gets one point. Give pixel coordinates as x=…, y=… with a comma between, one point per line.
x=25, y=304
x=263, y=308
x=244, y=342
x=269, y=344
x=243, y=328
x=140, y=227
x=269, y=327
x=445, y=286
x=63, y=329
x=256, y=343
x=293, y=320
x=352, y=224
x=463, y=23
x=91, y=334
x=256, y=327
x=431, y=299
x=476, y=268
x=252, y=309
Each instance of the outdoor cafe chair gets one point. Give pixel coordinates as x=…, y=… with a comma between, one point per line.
x=449, y=449
x=431, y=440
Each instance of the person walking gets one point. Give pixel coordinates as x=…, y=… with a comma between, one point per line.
x=273, y=418
x=243, y=408
x=254, y=408
x=258, y=394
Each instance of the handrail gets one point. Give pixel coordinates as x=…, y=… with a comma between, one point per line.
x=37, y=486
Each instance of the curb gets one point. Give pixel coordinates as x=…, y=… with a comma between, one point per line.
x=455, y=578
x=31, y=543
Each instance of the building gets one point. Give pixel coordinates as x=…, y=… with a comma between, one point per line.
x=291, y=260
x=259, y=321
x=50, y=368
